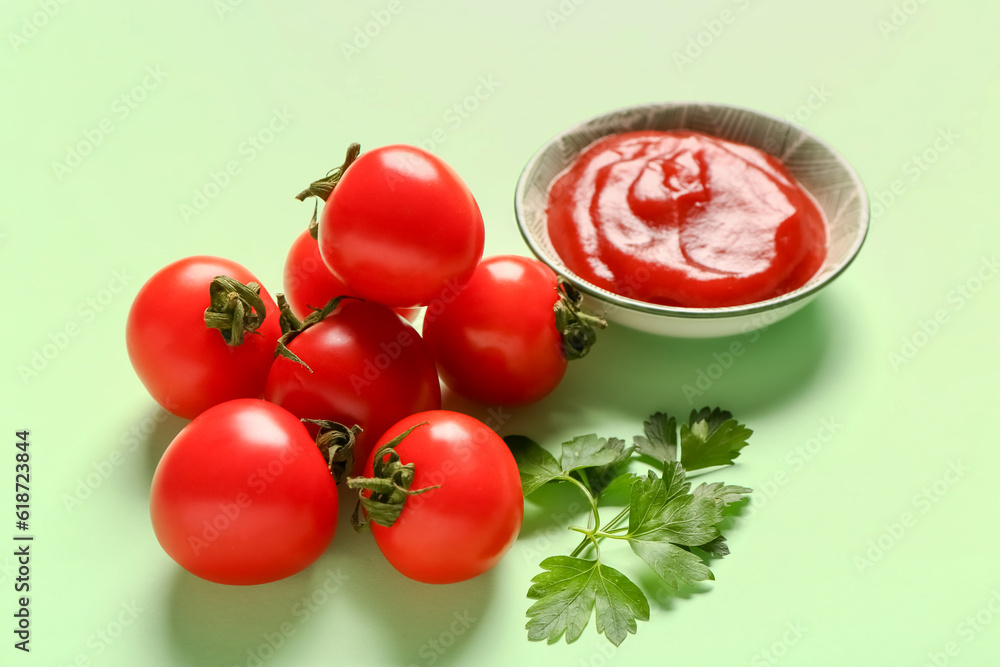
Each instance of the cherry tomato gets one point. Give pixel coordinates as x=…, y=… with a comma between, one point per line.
x=309, y=284
x=243, y=495
x=463, y=528
x=400, y=227
x=186, y=366
x=369, y=368
x=496, y=341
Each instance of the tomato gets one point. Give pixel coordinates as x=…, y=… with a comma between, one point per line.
x=309, y=284
x=463, y=528
x=401, y=227
x=369, y=368
x=243, y=495
x=497, y=341
x=186, y=366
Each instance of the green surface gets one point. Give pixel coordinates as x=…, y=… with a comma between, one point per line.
x=885, y=434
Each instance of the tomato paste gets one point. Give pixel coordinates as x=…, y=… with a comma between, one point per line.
x=684, y=219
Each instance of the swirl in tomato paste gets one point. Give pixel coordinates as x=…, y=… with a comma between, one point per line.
x=685, y=219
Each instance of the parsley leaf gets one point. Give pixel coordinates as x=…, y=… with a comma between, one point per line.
x=722, y=494
x=714, y=416
x=674, y=564
x=600, y=477
x=660, y=441
x=664, y=519
x=675, y=480
x=534, y=463
x=598, y=461
x=569, y=591
x=622, y=483
x=589, y=451
x=670, y=526
x=661, y=511
x=712, y=438
x=716, y=547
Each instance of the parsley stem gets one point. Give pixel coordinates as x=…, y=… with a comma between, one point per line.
x=618, y=519
x=595, y=523
x=586, y=542
x=615, y=535
x=590, y=498
x=597, y=535
x=586, y=481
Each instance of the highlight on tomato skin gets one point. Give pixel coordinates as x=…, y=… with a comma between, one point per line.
x=496, y=341
x=243, y=496
x=366, y=366
x=309, y=284
x=186, y=366
x=464, y=527
x=401, y=226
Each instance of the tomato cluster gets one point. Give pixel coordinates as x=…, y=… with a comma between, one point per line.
x=246, y=493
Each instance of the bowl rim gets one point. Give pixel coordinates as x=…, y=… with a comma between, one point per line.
x=805, y=292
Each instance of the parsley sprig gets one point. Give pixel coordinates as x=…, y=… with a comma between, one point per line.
x=666, y=520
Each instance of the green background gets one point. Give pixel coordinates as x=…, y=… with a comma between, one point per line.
x=827, y=568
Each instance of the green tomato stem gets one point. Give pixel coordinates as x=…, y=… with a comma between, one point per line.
x=235, y=309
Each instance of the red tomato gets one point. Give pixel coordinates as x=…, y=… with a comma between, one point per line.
x=497, y=342
x=309, y=284
x=243, y=495
x=400, y=227
x=186, y=366
x=463, y=528
x=369, y=368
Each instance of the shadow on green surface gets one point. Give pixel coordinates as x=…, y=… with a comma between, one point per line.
x=629, y=373
x=554, y=507
x=421, y=624
x=165, y=429
x=212, y=625
x=633, y=374
x=663, y=597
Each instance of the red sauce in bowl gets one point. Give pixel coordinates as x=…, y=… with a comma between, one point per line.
x=684, y=219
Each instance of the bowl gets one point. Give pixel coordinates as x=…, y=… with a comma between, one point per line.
x=821, y=170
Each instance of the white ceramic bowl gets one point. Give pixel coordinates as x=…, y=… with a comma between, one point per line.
x=819, y=168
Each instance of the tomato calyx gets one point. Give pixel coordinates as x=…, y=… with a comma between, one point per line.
x=291, y=326
x=336, y=443
x=389, y=486
x=577, y=327
x=322, y=188
x=235, y=309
